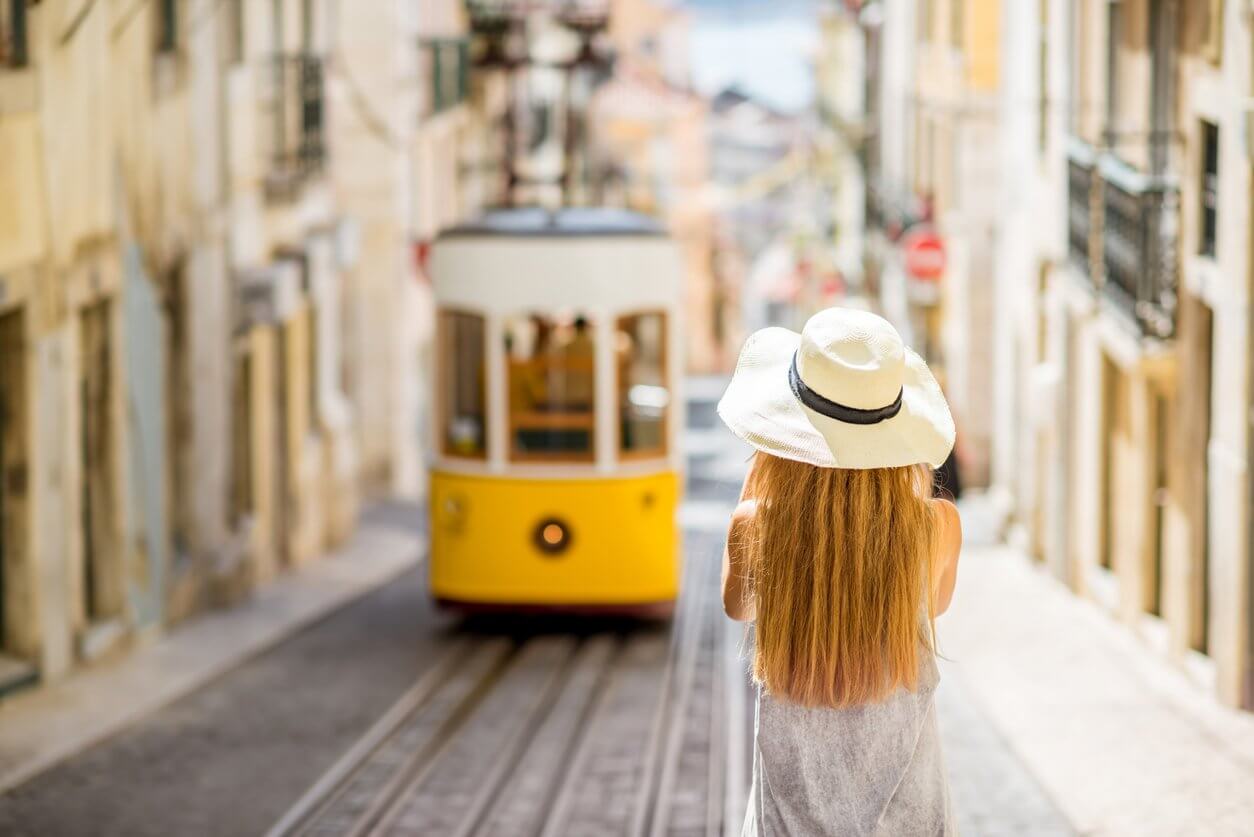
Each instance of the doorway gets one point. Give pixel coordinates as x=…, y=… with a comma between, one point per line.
x=242, y=505
x=178, y=413
x=16, y=647
x=1064, y=463
x=1111, y=440
x=1199, y=488
x=1161, y=418
x=282, y=482
x=101, y=592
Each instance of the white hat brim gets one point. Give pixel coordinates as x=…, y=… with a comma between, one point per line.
x=759, y=406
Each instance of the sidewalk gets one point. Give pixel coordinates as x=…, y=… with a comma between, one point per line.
x=1121, y=742
x=42, y=726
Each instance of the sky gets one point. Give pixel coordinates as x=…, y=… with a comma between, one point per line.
x=763, y=46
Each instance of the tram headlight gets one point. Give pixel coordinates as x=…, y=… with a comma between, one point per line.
x=551, y=536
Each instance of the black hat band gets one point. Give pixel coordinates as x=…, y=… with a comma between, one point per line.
x=833, y=410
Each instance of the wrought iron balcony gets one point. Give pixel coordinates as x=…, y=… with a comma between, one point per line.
x=1122, y=234
x=494, y=17
x=499, y=31
x=1139, y=247
x=296, y=122
x=1080, y=228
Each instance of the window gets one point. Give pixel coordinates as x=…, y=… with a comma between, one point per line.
x=925, y=20
x=306, y=25
x=463, y=380
x=450, y=63
x=13, y=34
x=1042, y=82
x=234, y=41
x=957, y=23
x=167, y=25
x=1213, y=46
x=277, y=35
x=552, y=387
x=1075, y=66
x=643, y=396
x=1114, y=32
x=1209, y=188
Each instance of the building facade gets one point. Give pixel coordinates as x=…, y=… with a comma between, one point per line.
x=212, y=316
x=1088, y=167
x=1126, y=449
x=932, y=72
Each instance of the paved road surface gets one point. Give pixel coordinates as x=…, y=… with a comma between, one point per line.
x=388, y=716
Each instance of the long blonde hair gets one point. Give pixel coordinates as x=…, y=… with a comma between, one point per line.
x=840, y=565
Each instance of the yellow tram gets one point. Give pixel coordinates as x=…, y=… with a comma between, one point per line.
x=555, y=477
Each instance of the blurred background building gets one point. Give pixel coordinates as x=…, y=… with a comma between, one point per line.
x=215, y=219
x=1086, y=166
x=1127, y=260
x=215, y=316
x=175, y=263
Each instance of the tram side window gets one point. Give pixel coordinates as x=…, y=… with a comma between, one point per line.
x=643, y=396
x=552, y=387
x=462, y=360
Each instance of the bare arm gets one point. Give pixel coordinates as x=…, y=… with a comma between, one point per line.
x=737, y=589
x=945, y=566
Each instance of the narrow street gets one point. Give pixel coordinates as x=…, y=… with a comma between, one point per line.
x=317, y=317
x=389, y=717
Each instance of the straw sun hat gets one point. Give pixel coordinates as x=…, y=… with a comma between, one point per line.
x=844, y=393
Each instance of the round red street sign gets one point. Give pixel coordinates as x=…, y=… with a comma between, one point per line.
x=925, y=254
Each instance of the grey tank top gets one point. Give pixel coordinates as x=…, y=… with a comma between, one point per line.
x=868, y=770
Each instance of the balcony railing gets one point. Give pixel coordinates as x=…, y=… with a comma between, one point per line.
x=297, y=146
x=1122, y=233
x=591, y=11
x=1139, y=248
x=1080, y=232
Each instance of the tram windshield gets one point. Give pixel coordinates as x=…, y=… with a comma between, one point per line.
x=643, y=397
x=552, y=387
x=462, y=368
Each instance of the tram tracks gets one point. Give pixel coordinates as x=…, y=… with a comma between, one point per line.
x=612, y=733
x=690, y=772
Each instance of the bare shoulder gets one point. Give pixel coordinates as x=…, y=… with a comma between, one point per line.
x=737, y=600
x=950, y=540
x=744, y=511
x=948, y=547
x=948, y=512
x=741, y=518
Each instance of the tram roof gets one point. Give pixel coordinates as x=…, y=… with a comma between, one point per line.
x=570, y=222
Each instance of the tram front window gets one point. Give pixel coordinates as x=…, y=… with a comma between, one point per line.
x=552, y=387
x=462, y=368
x=643, y=397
